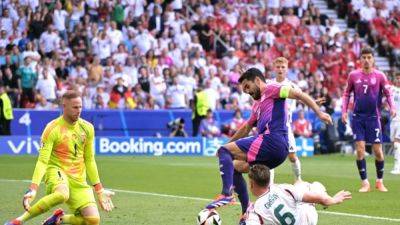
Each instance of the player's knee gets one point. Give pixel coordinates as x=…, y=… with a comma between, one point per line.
x=241, y=166
x=63, y=194
x=92, y=220
x=223, y=150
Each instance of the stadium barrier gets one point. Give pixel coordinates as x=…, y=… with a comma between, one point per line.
x=140, y=146
x=123, y=123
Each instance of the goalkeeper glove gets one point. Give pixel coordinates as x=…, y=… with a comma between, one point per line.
x=104, y=197
x=29, y=196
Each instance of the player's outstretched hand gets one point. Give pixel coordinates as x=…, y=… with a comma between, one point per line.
x=326, y=118
x=341, y=196
x=28, y=198
x=104, y=196
x=344, y=118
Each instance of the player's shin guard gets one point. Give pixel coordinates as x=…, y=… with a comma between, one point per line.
x=380, y=165
x=43, y=205
x=296, y=167
x=362, y=168
x=241, y=189
x=226, y=170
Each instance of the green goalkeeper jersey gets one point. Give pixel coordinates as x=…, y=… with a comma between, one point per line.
x=68, y=147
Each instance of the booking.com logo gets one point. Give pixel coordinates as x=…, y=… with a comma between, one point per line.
x=148, y=147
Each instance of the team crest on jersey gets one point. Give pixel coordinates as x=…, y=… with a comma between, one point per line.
x=358, y=81
x=373, y=80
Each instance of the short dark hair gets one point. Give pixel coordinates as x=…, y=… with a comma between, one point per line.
x=260, y=175
x=70, y=94
x=251, y=74
x=367, y=50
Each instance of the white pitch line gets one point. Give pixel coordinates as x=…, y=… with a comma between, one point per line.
x=208, y=200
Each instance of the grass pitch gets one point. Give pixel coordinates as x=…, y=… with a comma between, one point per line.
x=140, y=180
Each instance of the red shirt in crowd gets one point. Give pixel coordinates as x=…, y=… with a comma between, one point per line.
x=302, y=127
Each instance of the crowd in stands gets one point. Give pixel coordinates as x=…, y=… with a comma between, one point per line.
x=138, y=54
x=377, y=20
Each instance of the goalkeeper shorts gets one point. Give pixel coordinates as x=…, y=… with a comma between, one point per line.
x=80, y=193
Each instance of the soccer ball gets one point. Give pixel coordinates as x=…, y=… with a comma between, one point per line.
x=208, y=217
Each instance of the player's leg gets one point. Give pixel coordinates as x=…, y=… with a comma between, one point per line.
x=89, y=215
x=374, y=136
x=379, y=165
x=57, y=193
x=226, y=154
x=395, y=137
x=396, y=153
x=82, y=200
x=358, y=127
x=362, y=166
x=239, y=183
x=294, y=160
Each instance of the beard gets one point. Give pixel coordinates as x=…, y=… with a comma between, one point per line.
x=256, y=95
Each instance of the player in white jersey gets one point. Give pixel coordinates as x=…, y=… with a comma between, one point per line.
x=395, y=126
x=284, y=203
x=281, y=68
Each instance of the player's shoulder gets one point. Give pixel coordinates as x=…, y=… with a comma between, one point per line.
x=51, y=127
x=356, y=72
x=380, y=74
x=86, y=125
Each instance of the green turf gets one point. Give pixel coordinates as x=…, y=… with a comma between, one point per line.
x=199, y=177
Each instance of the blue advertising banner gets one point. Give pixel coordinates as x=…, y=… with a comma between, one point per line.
x=147, y=146
x=305, y=147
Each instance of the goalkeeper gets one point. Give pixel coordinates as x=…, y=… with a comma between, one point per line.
x=65, y=157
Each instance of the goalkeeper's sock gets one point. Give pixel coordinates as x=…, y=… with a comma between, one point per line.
x=72, y=219
x=43, y=205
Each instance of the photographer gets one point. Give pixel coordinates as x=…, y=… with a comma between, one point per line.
x=178, y=128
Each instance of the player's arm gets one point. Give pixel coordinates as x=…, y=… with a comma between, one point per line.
x=104, y=196
x=243, y=131
x=47, y=142
x=326, y=200
x=346, y=98
x=292, y=93
x=389, y=96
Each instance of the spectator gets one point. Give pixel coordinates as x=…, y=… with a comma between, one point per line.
x=158, y=88
x=59, y=18
x=46, y=86
x=236, y=122
x=43, y=104
x=176, y=95
x=209, y=127
x=12, y=85
x=49, y=41
x=302, y=127
x=29, y=77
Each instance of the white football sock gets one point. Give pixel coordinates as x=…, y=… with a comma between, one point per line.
x=296, y=167
x=396, y=154
x=272, y=176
